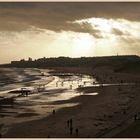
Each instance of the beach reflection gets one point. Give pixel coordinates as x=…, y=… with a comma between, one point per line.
x=57, y=87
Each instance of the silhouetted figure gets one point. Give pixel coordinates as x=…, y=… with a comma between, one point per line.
x=0, y=135
x=84, y=82
x=77, y=131
x=71, y=129
x=62, y=84
x=135, y=117
x=70, y=86
x=48, y=136
x=26, y=93
x=68, y=123
x=56, y=84
x=53, y=112
x=22, y=92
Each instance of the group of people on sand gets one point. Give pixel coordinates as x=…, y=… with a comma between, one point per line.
x=62, y=84
x=70, y=127
x=71, y=85
x=25, y=92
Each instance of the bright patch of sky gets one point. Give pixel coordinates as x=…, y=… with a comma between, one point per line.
x=103, y=37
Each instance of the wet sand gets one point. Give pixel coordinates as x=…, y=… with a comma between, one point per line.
x=15, y=108
x=103, y=114
x=94, y=116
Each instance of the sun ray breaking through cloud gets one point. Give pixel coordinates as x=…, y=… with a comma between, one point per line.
x=65, y=33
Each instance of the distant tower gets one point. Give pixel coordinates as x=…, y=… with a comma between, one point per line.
x=29, y=59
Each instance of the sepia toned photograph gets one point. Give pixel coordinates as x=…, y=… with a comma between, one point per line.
x=70, y=69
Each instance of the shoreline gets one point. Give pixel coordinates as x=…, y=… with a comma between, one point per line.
x=108, y=109
x=51, y=124
x=9, y=107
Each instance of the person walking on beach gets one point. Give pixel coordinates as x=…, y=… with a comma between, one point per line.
x=62, y=84
x=53, y=112
x=84, y=83
x=56, y=84
x=68, y=123
x=26, y=93
x=22, y=92
x=77, y=131
x=70, y=86
x=71, y=129
x=135, y=117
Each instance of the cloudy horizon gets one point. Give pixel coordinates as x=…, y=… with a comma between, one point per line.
x=74, y=29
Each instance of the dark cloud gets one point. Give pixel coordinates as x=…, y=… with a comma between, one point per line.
x=55, y=15
x=85, y=27
x=117, y=32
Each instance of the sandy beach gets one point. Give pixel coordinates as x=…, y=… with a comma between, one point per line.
x=97, y=110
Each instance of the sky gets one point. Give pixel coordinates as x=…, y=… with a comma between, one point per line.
x=73, y=29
